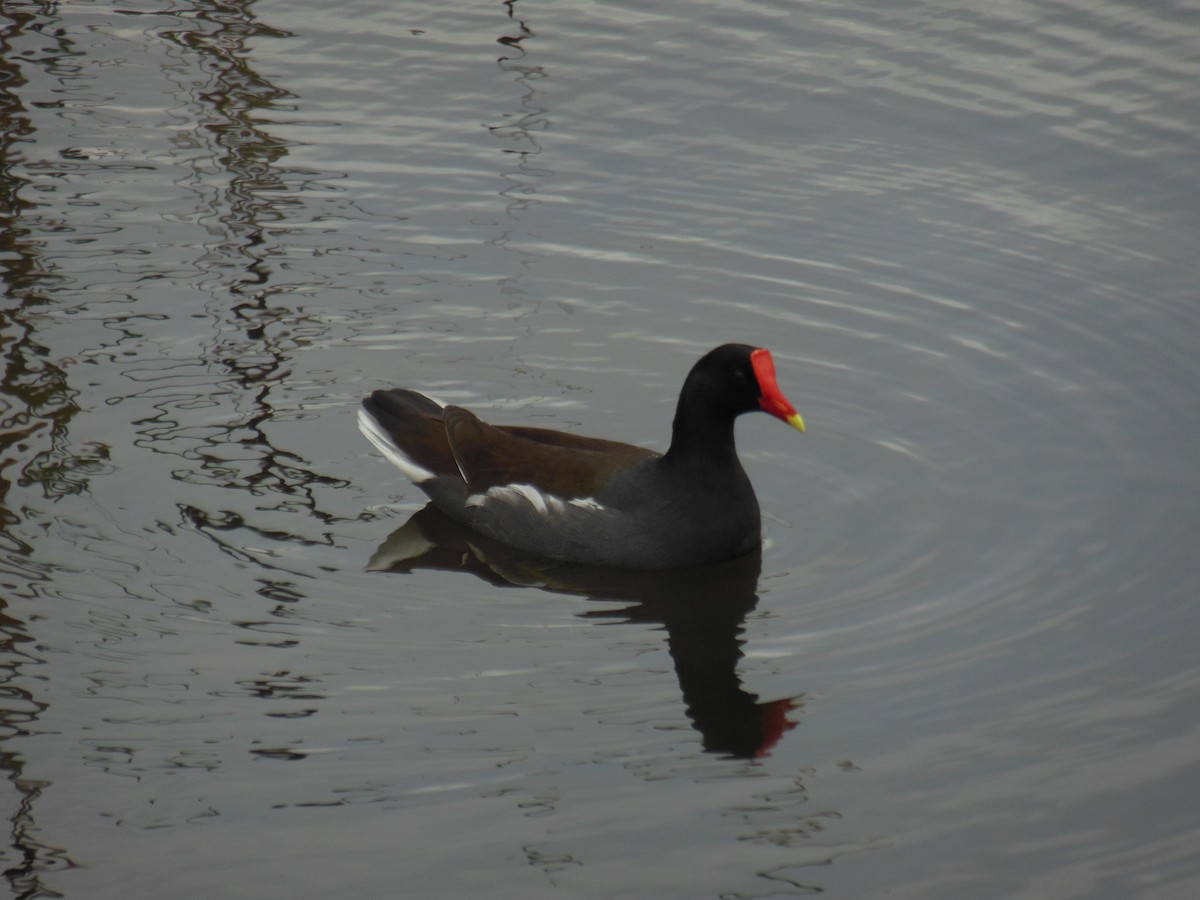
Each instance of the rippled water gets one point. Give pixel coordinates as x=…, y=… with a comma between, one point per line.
x=965, y=664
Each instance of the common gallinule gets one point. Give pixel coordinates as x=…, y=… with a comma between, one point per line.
x=587, y=500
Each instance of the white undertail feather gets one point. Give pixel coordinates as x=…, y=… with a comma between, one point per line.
x=383, y=442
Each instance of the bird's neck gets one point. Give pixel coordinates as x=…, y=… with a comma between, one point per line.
x=702, y=437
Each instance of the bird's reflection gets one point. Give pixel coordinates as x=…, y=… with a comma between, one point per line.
x=702, y=609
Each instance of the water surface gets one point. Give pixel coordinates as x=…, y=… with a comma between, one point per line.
x=964, y=665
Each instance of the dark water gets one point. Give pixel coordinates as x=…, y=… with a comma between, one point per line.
x=965, y=665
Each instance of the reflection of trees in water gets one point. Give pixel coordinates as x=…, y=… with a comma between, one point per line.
x=257, y=332
x=36, y=403
x=520, y=135
x=60, y=255
x=36, y=407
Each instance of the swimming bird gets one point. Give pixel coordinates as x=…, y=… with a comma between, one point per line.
x=586, y=500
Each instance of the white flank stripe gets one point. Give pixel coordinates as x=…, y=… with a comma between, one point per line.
x=384, y=444
x=535, y=497
x=544, y=504
x=586, y=503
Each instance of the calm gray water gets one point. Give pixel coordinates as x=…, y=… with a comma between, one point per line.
x=968, y=231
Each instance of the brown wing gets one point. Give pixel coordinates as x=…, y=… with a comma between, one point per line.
x=575, y=441
x=556, y=462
